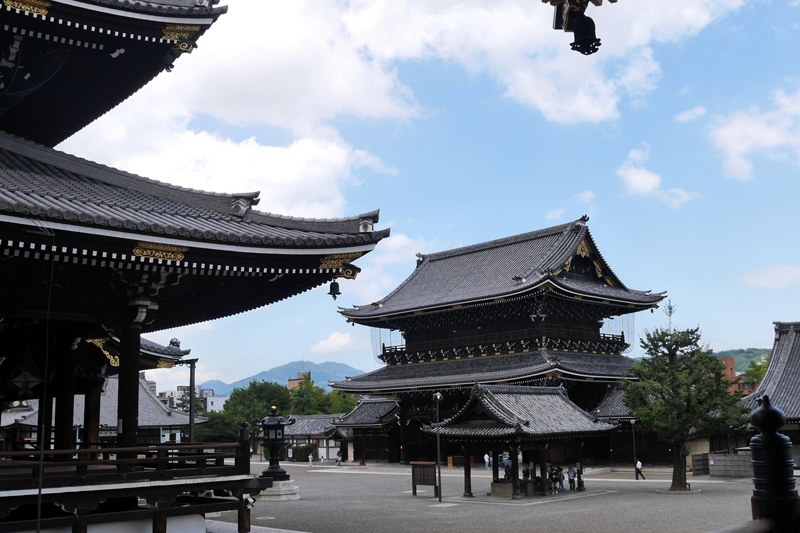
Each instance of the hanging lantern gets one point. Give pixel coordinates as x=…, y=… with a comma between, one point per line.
x=26, y=375
x=586, y=41
x=334, y=292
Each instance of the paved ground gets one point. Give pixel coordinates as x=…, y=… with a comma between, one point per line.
x=378, y=499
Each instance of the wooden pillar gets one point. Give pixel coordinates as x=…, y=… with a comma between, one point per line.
x=403, y=458
x=91, y=412
x=65, y=404
x=128, y=396
x=244, y=516
x=515, y=472
x=160, y=521
x=45, y=430
x=496, y=464
x=543, y=469
x=467, y=472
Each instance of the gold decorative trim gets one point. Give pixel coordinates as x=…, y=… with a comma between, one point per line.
x=349, y=272
x=156, y=250
x=584, y=250
x=174, y=32
x=112, y=359
x=338, y=260
x=31, y=6
x=165, y=363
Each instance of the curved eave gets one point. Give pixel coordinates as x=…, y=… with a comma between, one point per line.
x=169, y=14
x=548, y=282
x=287, y=249
x=600, y=378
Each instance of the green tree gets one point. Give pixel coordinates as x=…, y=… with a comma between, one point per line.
x=246, y=404
x=755, y=372
x=681, y=392
x=340, y=402
x=308, y=399
x=182, y=404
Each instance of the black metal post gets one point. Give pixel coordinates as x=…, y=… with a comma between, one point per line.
x=468, y=471
x=633, y=430
x=438, y=398
x=192, y=394
x=774, y=492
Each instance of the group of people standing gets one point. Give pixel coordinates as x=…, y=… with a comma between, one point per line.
x=556, y=478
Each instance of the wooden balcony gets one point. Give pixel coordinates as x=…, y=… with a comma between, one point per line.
x=505, y=342
x=104, y=485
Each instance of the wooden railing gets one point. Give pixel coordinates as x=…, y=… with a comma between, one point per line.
x=537, y=337
x=64, y=468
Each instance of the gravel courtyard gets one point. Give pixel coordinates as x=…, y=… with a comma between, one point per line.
x=378, y=499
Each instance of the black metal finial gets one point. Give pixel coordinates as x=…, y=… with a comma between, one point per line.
x=766, y=417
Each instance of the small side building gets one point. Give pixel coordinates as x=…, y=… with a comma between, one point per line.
x=318, y=431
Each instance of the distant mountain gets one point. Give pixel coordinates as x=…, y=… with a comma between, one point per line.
x=744, y=356
x=321, y=373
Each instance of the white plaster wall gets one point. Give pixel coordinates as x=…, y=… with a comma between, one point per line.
x=175, y=524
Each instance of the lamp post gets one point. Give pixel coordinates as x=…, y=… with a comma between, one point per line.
x=633, y=431
x=191, y=363
x=274, y=439
x=438, y=398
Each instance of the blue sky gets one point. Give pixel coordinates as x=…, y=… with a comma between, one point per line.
x=466, y=121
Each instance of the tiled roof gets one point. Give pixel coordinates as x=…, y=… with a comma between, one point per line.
x=489, y=369
x=152, y=413
x=172, y=351
x=499, y=268
x=611, y=406
x=370, y=412
x=54, y=186
x=311, y=425
x=167, y=7
x=527, y=412
x=782, y=379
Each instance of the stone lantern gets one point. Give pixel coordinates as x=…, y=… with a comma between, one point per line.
x=273, y=439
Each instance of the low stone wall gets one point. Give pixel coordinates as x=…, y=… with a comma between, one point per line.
x=730, y=465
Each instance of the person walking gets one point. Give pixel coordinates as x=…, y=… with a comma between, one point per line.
x=311, y=459
x=561, y=477
x=339, y=458
x=571, y=476
x=639, y=470
x=486, y=460
x=553, y=480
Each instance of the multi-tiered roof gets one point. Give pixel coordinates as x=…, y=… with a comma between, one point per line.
x=510, y=310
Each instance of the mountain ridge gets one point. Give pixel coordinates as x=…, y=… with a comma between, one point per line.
x=321, y=373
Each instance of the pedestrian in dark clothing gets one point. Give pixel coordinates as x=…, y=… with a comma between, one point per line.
x=554, y=480
x=571, y=476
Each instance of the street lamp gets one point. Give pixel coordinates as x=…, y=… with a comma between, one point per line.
x=633, y=431
x=438, y=398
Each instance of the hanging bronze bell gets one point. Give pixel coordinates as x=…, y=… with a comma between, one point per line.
x=334, y=292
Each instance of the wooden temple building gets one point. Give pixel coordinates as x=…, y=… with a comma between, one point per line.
x=781, y=383
x=525, y=311
x=89, y=252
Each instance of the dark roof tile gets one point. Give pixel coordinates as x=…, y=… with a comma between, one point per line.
x=489, y=369
x=782, y=379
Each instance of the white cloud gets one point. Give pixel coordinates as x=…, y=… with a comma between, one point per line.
x=303, y=178
x=585, y=197
x=748, y=132
x=691, y=114
x=555, y=214
x=400, y=248
x=184, y=334
x=299, y=65
x=775, y=277
x=639, y=181
x=336, y=342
